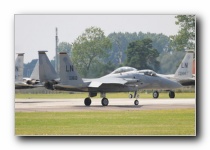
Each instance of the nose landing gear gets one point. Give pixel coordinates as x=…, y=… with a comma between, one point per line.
x=136, y=102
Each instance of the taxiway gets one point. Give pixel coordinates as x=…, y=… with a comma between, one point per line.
x=120, y=104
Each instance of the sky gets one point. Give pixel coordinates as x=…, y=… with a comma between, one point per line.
x=37, y=32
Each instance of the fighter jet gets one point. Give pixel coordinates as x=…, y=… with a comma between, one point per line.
x=131, y=81
x=183, y=74
x=19, y=83
x=24, y=83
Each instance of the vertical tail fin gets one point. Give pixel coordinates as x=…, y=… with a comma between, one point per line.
x=185, y=68
x=19, y=67
x=46, y=70
x=35, y=73
x=68, y=73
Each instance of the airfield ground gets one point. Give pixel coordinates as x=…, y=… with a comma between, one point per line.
x=120, y=104
x=146, y=122
x=163, y=116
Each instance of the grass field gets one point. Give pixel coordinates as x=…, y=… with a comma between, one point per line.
x=109, y=95
x=144, y=122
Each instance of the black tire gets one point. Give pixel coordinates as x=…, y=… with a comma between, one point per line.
x=130, y=95
x=136, y=102
x=155, y=94
x=171, y=94
x=105, y=102
x=87, y=101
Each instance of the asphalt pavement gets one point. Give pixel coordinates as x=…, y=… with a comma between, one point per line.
x=119, y=104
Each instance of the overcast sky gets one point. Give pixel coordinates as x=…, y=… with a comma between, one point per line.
x=37, y=32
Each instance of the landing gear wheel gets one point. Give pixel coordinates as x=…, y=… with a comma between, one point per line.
x=171, y=94
x=155, y=94
x=130, y=95
x=105, y=102
x=136, y=102
x=87, y=101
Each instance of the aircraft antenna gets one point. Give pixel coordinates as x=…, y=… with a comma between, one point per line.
x=56, y=50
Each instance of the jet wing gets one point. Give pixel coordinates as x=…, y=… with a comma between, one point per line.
x=98, y=82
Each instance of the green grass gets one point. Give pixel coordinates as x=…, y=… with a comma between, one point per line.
x=144, y=122
x=109, y=95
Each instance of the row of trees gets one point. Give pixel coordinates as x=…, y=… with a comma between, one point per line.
x=185, y=39
x=95, y=55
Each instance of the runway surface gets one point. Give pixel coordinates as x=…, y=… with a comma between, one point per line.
x=120, y=104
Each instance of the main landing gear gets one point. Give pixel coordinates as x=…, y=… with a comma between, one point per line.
x=155, y=94
x=136, y=102
x=87, y=101
x=171, y=94
x=104, y=101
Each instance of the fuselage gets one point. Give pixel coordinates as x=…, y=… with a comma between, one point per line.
x=134, y=81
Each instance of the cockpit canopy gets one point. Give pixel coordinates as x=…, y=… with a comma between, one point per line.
x=148, y=72
x=123, y=69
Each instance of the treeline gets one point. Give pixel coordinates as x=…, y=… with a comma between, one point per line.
x=120, y=42
x=149, y=50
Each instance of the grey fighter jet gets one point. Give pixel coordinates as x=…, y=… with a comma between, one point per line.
x=183, y=74
x=19, y=83
x=131, y=81
x=24, y=83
